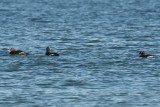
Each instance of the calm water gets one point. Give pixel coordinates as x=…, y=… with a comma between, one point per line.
x=98, y=42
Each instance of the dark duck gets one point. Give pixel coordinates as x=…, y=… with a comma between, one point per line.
x=142, y=54
x=18, y=52
x=48, y=53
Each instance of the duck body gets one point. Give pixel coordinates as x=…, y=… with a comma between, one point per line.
x=18, y=52
x=142, y=54
x=48, y=53
x=52, y=54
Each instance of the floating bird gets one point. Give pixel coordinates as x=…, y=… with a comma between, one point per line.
x=142, y=54
x=18, y=52
x=50, y=53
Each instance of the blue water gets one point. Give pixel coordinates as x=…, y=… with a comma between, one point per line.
x=98, y=42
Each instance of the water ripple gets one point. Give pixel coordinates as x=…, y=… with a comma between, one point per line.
x=98, y=42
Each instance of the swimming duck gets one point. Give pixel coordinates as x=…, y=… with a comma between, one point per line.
x=50, y=53
x=142, y=54
x=18, y=52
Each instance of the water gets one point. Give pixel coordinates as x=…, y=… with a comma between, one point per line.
x=98, y=42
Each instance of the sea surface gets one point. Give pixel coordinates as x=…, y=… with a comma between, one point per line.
x=98, y=42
